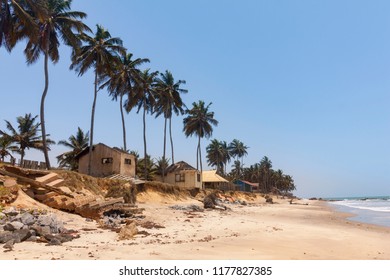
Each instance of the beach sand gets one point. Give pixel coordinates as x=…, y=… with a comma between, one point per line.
x=280, y=231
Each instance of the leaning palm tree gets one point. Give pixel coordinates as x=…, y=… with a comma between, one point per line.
x=122, y=81
x=97, y=52
x=199, y=122
x=144, y=96
x=169, y=101
x=55, y=22
x=76, y=143
x=26, y=135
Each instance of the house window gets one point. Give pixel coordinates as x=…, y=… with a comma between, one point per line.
x=107, y=160
x=180, y=177
x=127, y=161
x=198, y=177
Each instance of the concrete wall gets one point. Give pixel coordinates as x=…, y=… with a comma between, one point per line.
x=100, y=169
x=190, y=181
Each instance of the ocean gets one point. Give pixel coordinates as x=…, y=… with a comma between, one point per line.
x=371, y=210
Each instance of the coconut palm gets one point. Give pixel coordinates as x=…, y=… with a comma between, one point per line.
x=199, y=122
x=218, y=155
x=266, y=171
x=17, y=22
x=122, y=80
x=238, y=149
x=144, y=96
x=55, y=22
x=169, y=101
x=6, y=147
x=76, y=143
x=26, y=135
x=149, y=164
x=236, y=171
x=98, y=52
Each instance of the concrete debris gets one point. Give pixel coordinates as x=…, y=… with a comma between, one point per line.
x=22, y=225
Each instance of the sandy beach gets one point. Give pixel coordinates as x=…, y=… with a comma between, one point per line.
x=307, y=230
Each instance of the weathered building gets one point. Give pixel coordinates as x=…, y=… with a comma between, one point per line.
x=246, y=186
x=107, y=161
x=183, y=175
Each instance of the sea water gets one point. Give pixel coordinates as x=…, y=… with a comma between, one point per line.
x=372, y=210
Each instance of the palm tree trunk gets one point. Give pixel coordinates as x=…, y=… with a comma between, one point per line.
x=42, y=109
x=164, y=149
x=92, y=124
x=145, y=153
x=200, y=155
x=123, y=123
x=170, y=136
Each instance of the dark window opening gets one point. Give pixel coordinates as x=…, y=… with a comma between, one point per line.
x=127, y=161
x=107, y=160
x=180, y=178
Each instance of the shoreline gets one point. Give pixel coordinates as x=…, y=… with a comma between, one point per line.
x=280, y=231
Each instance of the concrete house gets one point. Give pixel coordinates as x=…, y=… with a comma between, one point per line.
x=183, y=175
x=107, y=161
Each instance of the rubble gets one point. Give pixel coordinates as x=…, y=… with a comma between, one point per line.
x=22, y=225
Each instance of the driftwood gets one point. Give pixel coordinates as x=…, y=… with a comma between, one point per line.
x=33, y=183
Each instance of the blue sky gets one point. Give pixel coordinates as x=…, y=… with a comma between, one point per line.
x=306, y=83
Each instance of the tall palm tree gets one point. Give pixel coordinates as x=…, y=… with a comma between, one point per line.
x=55, y=22
x=238, y=149
x=144, y=96
x=199, y=122
x=76, y=143
x=169, y=101
x=6, y=147
x=97, y=52
x=26, y=135
x=122, y=81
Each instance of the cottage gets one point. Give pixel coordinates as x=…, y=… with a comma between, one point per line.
x=246, y=186
x=107, y=161
x=212, y=180
x=183, y=175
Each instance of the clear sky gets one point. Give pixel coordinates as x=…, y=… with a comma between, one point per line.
x=306, y=83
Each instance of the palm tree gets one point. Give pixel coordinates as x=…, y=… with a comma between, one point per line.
x=17, y=22
x=98, y=53
x=122, y=80
x=218, y=155
x=56, y=21
x=214, y=154
x=26, y=135
x=236, y=171
x=162, y=165
x=149, y=164
x=6, y=147
x=199, y=122
x=76, y=143
x=266, y=169
x=169, y=101
x=144, y=96
x=238, y=149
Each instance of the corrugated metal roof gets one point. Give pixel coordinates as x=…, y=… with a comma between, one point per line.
x=212, y=177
